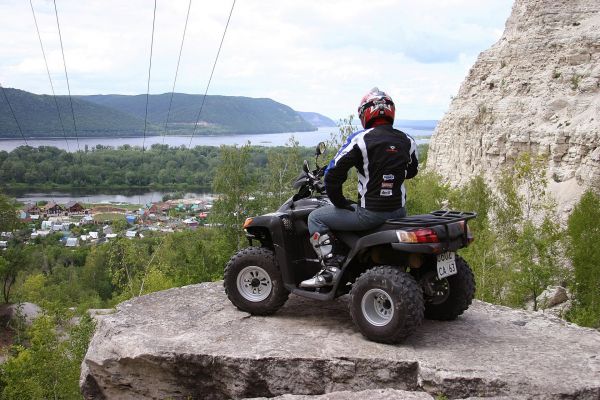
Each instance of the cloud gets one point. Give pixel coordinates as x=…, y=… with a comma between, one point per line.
x=312, y=55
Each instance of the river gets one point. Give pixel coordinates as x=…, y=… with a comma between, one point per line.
x=131, y=197
x=306, y=139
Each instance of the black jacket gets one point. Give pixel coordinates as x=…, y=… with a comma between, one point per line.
x=384, y=158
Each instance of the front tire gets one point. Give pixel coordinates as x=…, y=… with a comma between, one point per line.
x=460, y=292
x=253, y=281
x=386, y=304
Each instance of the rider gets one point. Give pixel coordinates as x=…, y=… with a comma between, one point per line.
x=384, y=157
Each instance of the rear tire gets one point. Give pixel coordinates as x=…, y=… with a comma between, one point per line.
x=461, y=290
x=386, y=304
x=253, y=281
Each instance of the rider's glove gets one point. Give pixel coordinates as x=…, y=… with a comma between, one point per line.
x=347, y=205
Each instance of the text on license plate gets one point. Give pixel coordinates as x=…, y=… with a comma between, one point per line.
x=446, y=264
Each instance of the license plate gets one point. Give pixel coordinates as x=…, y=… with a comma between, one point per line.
x=446, y=264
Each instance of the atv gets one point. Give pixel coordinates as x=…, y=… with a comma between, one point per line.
x=396, y=274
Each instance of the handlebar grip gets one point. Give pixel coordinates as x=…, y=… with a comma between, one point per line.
x=320, y=187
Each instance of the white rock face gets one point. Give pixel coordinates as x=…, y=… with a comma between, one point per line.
x=537, y=90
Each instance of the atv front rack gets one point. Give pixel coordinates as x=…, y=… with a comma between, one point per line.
x=440, y=217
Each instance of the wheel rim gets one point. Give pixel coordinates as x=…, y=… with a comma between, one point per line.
x=436, y=290
x=254, y=283
x=377, y=307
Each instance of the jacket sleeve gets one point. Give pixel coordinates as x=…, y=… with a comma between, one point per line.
x=337, y=173
x=413, y=166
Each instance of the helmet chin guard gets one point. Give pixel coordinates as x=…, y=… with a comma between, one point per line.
x=376, y=105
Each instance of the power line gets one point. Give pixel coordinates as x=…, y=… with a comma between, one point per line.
x=197, y=119
x=49, y=76
x=177, y=70
x=13, y=114
x=173, y=89
x=67, y=77
x=211, y=74
x=147, y=98
x=148, y=85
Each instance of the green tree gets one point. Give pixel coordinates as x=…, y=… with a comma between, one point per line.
x=8, y=215
x=536, y=257
x=483, y=254
x=283, y=165
x=235, y=184
x=584, y=252
x=425, y=193
x=8, y=275
x=49, y=368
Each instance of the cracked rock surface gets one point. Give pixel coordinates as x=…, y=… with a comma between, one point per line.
x=191, y=342
x=536, y=90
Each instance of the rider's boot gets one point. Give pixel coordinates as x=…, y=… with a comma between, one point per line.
x=323, y=245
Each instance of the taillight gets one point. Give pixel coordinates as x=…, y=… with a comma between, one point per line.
x=420, y=235
x=468, y=233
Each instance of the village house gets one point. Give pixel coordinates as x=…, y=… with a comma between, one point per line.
x=53, y=208
x=74, y=207
x=32, y=209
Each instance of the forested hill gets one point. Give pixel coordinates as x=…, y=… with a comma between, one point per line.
x=220, y=114
x=37, y=117
x=119, y=115
x=317, y=119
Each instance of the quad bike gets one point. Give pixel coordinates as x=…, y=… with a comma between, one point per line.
x=397, y=274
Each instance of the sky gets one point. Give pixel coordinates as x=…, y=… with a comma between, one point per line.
x=312, y=55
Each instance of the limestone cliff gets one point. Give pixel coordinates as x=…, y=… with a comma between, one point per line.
x=537, y=90
x=193, y=343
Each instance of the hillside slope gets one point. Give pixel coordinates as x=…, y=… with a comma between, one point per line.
x=220, y=114
x=37, y=116
x=120, y=115
x=316, y=119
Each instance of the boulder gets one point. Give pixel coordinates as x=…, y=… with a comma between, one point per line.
x=27, y=311
x=191, y=342
x=552, y=296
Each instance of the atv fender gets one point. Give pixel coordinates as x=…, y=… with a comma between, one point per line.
x=271, y=231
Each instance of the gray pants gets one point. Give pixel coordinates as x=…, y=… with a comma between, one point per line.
x=330, y=218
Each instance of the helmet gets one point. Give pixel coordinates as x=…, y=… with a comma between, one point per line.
x=374, y=105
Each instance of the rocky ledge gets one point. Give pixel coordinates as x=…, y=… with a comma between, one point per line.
x=191, y=342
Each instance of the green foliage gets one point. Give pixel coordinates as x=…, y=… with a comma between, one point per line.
x=425, y=193
x=235, y=185
x=483, y=255
x=49, y=367
x=124, y=168
x=283, y=166
x=8, y=216
x=584, y=237
x=536, y=257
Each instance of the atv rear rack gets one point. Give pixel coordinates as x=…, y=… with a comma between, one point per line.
x=440, y=217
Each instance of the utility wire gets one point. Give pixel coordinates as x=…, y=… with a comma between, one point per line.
x=49, y=76
x=173, y=89
x=67, y=77
x=211, y=74
x=13, y=114
x=197, y=119
x=148, y=85
x=147, y=97
x=177, y=70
